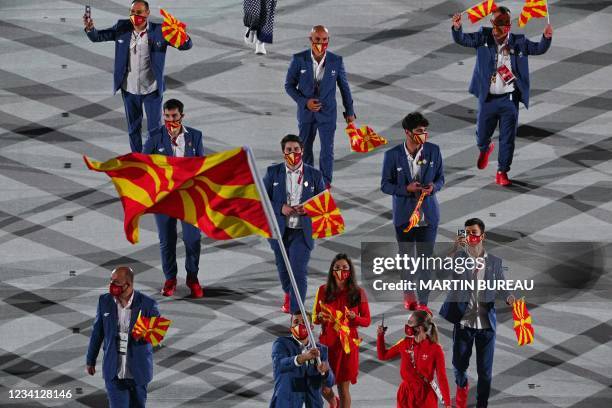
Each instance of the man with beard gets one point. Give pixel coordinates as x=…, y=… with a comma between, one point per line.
x=500, y=81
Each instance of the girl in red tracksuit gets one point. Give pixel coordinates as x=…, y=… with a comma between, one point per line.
x=428, y=358
x=341, y=293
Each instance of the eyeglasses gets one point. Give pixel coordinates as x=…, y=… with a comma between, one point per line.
x=342, y=268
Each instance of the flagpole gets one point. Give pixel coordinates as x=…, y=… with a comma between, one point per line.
x=547, y=13
x=268, y=209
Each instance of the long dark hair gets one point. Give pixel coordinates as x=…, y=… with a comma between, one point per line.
x=354, y=291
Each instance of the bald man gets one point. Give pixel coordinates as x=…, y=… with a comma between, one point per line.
x=127, y=365
x=311, y=81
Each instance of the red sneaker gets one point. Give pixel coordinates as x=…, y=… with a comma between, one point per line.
x=196, y=289
x=483, y=157
x=501, y=178
x=286, y=308
x=169, y=287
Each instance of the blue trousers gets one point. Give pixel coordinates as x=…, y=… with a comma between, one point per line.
x=166, y=228
x=419, y=241
x=503, y=111
x=308, y=132
x=299, y=255
x=126, y=393
x=133, y=112
x=463, y=340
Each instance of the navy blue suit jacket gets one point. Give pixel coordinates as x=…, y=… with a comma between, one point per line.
x=276, y=187
x=456, y=302
x=121, y=34
x=520, y=49
x=396, y=176
x=159, y=142
x=105, y=332
x=294, y=386
x=300, y=86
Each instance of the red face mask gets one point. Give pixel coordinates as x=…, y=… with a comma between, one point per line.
x=299, y=331
x=293, y=159
x=138, y=20
x=320, y=48
x=172, y=125
x=420, y=138
x=409, y=330
x=115, y=290
x=342, y=274
x=474, y=240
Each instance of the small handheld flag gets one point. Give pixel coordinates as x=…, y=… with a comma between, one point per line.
x=533, y=9
x=151, y=329
x=522, y=323
x=173, y=30
x=364, y=139
x=416, y=214
x=326, y=217
x=481, y=10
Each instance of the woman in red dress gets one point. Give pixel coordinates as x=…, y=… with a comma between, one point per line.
x=422, y=356
x=340, y=307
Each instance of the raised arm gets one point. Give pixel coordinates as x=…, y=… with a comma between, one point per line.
x=472, y=40
x=282, y=361
x=540, y=47
x=381, y=347
x=94, y=35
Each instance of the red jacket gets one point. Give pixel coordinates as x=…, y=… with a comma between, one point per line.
x=429, y=359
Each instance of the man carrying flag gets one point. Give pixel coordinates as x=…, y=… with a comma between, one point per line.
x=500, y=81
x=127, y=366
x=175, y=139
x=410, y=170
x=289, y=184
x=472, y=312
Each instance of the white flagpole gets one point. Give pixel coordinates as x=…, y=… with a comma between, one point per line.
x=547, y=13
x=278, y=237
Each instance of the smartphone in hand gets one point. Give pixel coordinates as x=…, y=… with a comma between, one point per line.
x=88, y=12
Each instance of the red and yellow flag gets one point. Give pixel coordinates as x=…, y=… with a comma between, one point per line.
x=326, y=218
x=151, y=329
x=522, y=323
x=216, y=193
x=364, y=139
x=416, y=214
x=173, y=30
x=341, y=326
x=532, y=8
x=481, y=10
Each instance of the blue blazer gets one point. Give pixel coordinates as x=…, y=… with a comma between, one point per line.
x=104, y=333
x=159, y=142
x=520, y=49
x=456, y=302
x=300, y=85
x=121, y=34
x=276, y=187
x=295, y=386
x=396, y=176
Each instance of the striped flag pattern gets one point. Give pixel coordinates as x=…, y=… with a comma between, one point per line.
x=216, y=193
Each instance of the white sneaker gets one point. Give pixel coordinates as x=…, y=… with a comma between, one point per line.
x=260, y=49
x=249, y=37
